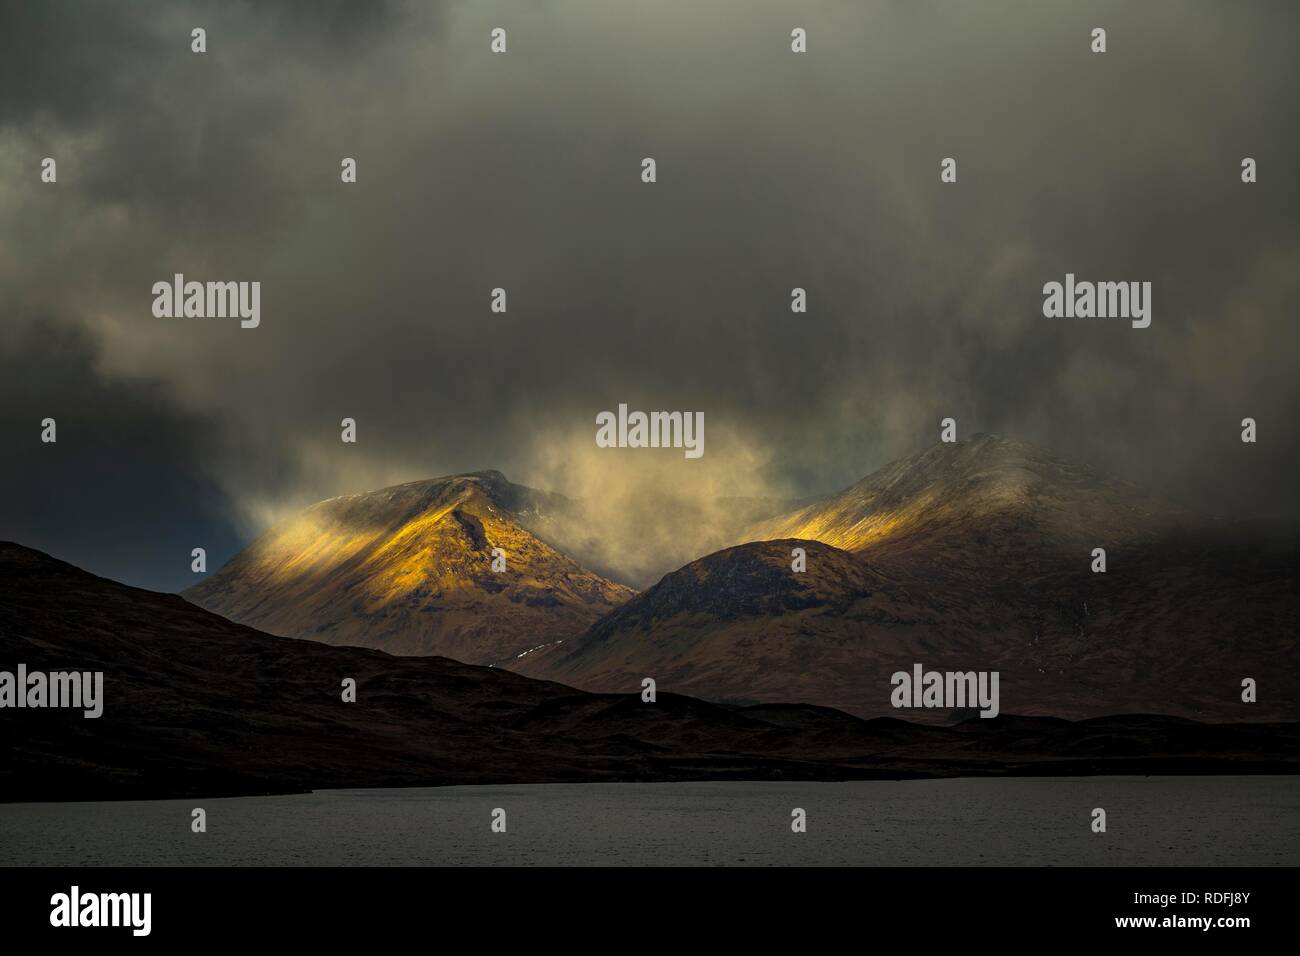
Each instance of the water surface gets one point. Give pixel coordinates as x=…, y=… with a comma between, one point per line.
x=1196, y=821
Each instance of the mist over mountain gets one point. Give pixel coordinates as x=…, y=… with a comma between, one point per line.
x=980, y=486
x=638, y=533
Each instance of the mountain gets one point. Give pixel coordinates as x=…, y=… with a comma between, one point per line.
x=408, y=570
x=195, y=705
x=971, y=556
x=738, y=625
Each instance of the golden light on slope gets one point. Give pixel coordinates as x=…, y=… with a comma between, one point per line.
x=844, y=527
x=308, y=544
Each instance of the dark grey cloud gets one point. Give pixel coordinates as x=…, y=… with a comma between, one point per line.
x=124, y=490
x=775, y=171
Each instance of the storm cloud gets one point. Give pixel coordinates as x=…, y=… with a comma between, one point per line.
x=522, y=171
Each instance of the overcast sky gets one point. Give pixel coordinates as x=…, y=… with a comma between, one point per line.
x=522, y=170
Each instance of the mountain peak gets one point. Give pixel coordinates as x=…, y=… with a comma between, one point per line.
x=452, y=565
x=995, y=482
